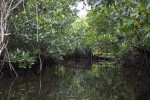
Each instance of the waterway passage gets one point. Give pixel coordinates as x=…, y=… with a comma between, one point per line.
x=80, y=80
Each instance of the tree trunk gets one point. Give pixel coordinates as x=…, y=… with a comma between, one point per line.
x=6, y=7
x=2, y=12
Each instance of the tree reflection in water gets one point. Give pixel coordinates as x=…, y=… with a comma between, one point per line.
x=85, y=81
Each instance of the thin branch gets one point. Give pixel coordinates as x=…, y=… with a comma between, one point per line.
x=146, y=59
x=10, y=65
x=3, y=63
x=7, y=3
x=24, y=7
x=22, y=60
x=11, y=87
x=40, y=63
x=10, y=6
x=3, y=1
x=37, y=20
x=40, y=74
x=16, y=5
x=1, y=26
x=9, y=10
x=1, y=75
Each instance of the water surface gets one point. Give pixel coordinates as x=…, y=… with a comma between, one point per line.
x=83, y=80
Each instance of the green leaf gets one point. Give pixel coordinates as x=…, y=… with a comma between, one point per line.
x=123, y=45
x=130, y=22
x=57, y=11
x=135, y=13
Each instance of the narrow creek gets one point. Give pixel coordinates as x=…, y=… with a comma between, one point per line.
x=80, y=80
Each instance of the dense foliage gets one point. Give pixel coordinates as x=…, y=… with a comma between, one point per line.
x=53, y=18
x=124, y=23
x=115, y=26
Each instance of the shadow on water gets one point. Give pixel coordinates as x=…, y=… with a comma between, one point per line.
x=79, y=80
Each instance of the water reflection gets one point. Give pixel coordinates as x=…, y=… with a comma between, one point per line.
x=80, y=81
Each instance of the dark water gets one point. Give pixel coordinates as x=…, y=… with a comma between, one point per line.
x=79, y=81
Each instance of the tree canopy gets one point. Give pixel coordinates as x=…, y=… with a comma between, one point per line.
x=53, y=29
